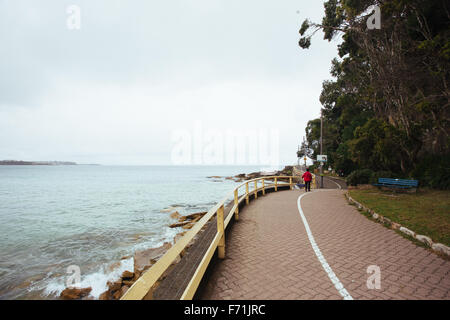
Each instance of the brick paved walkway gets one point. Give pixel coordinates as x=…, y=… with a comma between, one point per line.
x=269, y=255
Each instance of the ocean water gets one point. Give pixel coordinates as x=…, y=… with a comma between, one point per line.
x=93, y=217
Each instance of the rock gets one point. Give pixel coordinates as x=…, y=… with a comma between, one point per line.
x=424, y=239
x=178, y=237
x=395, y=226
x=113, y=286
x=144, y=259
x=137, y=274
x=75, y=293
x=188, y=225
x=194, y=216
x=187, y=221
x=105, y=296
x=270, y=173
x=375, y=216
x=179, y=224
x=122, y=291
x=407, y=231
x=441, y=248
x=387, y=221
x=116, y=295
x=126, y=275
x=175, y=215
x=240, y=176
x=253, y=175
x=196, y=220
x=128, y=282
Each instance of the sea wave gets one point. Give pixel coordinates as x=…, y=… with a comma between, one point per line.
x=97, y=280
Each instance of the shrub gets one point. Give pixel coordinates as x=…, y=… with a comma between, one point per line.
x=434, y=171
x=361, y=176
x=381, y=174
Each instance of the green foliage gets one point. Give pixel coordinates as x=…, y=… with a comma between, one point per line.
x=434, y=171
x=381, y=174
x=305, y=42
x=375, y=146
x=345, y=166
x=362, y=176
x=305, y=26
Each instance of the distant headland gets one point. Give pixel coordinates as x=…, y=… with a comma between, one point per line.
x=35, y=163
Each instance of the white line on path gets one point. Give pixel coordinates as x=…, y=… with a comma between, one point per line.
x=337, y=284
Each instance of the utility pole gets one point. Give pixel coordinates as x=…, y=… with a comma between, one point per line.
x=321, y=149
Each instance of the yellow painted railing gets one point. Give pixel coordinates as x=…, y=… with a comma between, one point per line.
x=142, y=288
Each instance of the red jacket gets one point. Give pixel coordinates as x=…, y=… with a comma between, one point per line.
x=307, y=176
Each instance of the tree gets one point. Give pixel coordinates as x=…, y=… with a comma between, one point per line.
x=389, y=105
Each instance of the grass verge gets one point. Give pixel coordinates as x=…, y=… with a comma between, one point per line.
x=426, y=212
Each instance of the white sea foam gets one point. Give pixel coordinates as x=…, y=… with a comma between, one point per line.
x=167, y=236
x=97, y=280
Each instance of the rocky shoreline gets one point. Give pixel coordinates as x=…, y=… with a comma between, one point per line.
x=144, y=259
x=287, y=171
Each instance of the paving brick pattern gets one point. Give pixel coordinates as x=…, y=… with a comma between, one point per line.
x=269, y=255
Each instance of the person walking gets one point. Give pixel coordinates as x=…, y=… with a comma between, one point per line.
x=307, y=177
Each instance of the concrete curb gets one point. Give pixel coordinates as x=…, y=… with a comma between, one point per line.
x=437, y=247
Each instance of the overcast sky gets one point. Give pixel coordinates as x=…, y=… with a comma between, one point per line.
x=116, y=90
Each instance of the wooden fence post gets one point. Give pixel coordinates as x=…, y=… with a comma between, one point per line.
x=221, y=230
x=236, y=203
x=246, y=193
